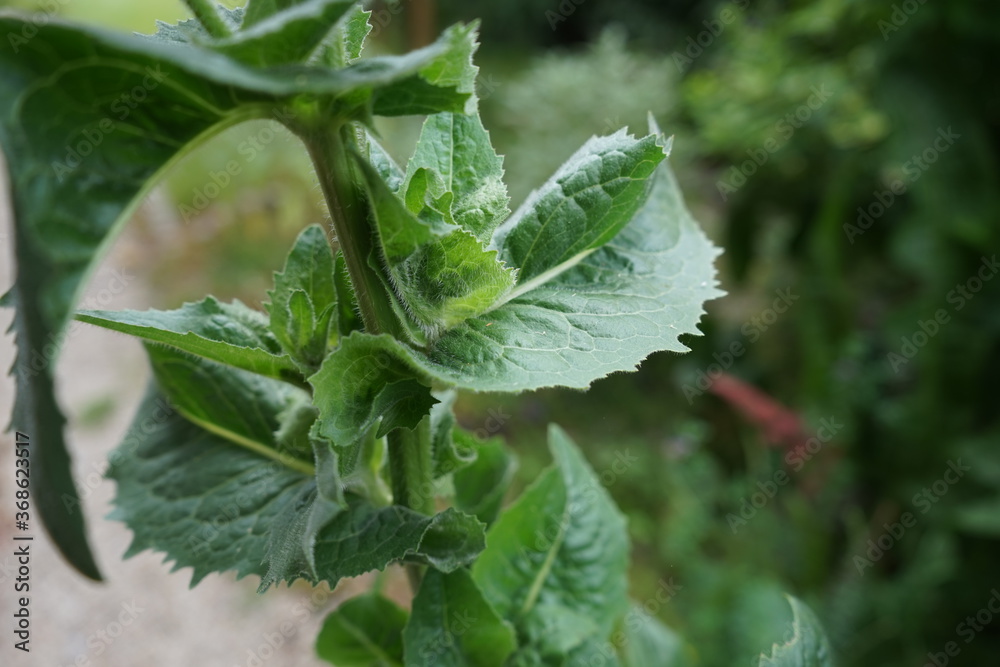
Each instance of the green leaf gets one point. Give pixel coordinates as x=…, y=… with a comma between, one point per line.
x=205, y=502
x=443, y=275
x=229, y=333
x=808, y=646
x=365, y=631
x=359, y=385
x=367, y=538
x=349, y=38
x=452, y=625
x=286, y=37
x=457, y=149
x=241, y=407
x=480, y=486
x=584, y=656
x=646, y=641
x=258, y=10
x=63, y=93
x=215, y=506
x=444, y=82
x=390, y=172
x=634, y=296
x=583, y=206
x=302, y=323
x=558, y=555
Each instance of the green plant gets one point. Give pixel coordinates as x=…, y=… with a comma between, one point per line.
x=316, y=440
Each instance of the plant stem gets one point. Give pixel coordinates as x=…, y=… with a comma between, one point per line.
x=410, y=456
x=209, y=18
x=411, y=466
x=349, y=213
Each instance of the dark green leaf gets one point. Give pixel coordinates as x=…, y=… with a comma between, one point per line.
x=229, y=333
x=241, y=407
x=556, y=560
x=366, y=631
x=451, y=625
x=367, y=538
x=200, y=499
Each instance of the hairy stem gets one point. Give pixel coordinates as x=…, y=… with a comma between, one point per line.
x=412, y=469
x=349, y=213
x=410, y=460
x=209, y=18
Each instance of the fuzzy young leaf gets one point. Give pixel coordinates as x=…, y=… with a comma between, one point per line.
x=808, y=646
x=559, y=552
x=285, y=37
x=362, y=632
x=229, y=333
x=441, y=273
x=349, y=38
x=457, y=149
x=451, y=625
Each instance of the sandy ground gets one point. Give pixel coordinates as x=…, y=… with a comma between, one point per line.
x=141, y=614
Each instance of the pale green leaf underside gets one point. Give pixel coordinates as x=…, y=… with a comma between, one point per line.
x=583, y=206
x=808, y=646
x=229, y=333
